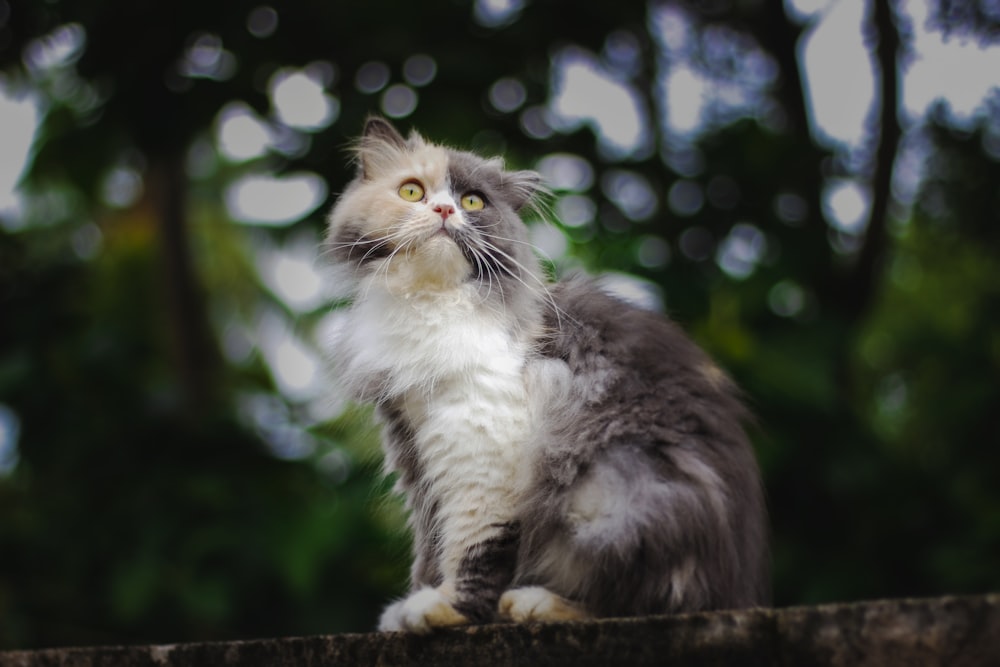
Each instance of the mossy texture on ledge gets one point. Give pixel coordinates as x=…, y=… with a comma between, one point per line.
x=952, y=631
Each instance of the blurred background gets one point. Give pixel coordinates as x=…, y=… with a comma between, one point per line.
x=811, y=188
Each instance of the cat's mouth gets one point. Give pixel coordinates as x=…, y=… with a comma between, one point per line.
x=441, y=237
x=446, y=231
x=441, y=246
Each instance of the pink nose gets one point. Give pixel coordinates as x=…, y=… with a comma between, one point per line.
x=444, y=210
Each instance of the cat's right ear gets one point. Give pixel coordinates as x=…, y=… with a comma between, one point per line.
x=380, y=143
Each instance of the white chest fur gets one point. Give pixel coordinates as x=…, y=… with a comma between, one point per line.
x=459, y=370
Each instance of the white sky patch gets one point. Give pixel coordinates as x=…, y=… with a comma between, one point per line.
x=241, y=134
x=806, y=8
x=685, y=96
x=122, y=186
x=846, y=204
x=297, y=281
x=672, y=27
x=18, y=121
x=840, y=84
x=206, y=59
x=291, y=273
x=271, y=418
x=576, y=210
x=399, y=100
x=631, y=192
x=295, y=366
x=584, y=93
x=549, y=240
x=496, y=13
x=961, y=71
x=739, y=253
x=565, y=171
x=301, y=101
x=61, y=46
x=274, y=201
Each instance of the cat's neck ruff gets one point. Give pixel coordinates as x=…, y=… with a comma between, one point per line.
x=396, y=342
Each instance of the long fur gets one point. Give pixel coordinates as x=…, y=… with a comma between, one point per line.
x=562, y=454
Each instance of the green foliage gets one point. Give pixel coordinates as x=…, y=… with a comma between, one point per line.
x=127, y=521
x=167, y=486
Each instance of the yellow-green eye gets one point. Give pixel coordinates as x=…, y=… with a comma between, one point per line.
x=411, y=191
x=472, y=202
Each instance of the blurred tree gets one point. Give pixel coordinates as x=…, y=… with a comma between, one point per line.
x=164, y=481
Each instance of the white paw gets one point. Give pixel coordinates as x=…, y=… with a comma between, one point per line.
x=534, y=603
x=422, y=611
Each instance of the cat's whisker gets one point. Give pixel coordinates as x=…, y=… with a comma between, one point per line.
x=485, y=268
x=497, y=237
x=540, y=288
x=395, y=235
x=374, y=240
x=401, y=247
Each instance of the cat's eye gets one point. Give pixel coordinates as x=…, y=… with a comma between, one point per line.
x=473, y=202
x=411, y=191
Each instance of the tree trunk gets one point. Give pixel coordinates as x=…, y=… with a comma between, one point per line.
x=195, y=357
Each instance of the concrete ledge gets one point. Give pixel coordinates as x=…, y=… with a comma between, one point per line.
x=952, y=631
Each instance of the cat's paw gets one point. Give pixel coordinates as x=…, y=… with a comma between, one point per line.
x=534, y=603
x=421, y=612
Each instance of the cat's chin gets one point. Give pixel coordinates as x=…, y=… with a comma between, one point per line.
x=437, y=264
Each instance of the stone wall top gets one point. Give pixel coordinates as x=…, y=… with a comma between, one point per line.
x=947, y=631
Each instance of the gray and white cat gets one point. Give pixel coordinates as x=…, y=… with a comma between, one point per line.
x=562, y=454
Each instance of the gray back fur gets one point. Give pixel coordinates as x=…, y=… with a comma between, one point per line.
x=648, y=417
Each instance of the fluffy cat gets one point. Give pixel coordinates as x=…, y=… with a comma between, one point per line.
x=562, y=454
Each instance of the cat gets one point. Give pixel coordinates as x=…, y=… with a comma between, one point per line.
x=562, y=455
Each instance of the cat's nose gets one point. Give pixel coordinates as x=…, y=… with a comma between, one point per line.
x=444, y=210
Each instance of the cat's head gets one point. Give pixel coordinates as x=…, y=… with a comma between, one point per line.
x=423, y=217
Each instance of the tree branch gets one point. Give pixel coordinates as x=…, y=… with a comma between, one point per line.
x=863, y=282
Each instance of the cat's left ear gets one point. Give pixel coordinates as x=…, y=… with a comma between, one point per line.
x=380, y=146
x=522, y=187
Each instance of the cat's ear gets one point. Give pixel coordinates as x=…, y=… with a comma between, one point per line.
x=378, y=129
x=523, y=187
x=380, y=144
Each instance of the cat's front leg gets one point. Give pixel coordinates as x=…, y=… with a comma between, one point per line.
x=469, y=595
